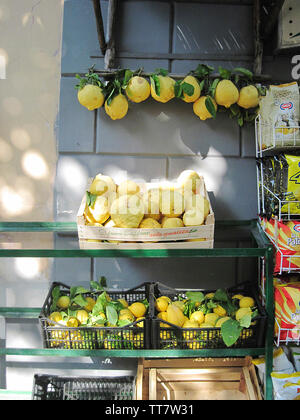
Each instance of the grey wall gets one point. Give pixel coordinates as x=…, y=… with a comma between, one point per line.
x=156, y=140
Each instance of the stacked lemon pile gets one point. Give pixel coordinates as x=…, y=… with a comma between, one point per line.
x=83, y=318
x=232, y=90
x=132, y=205
x=201, y=318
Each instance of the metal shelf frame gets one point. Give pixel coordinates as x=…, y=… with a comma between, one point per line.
x=262, y=249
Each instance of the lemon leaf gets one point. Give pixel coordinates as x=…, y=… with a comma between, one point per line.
x=224, y=73
x=245, y=321
x=203, y=70
x=230, y=332
x=111, y=314
x=162, y=72
x=155, y=83
x=178, y=89
x=212, y=87
x=90, y=198
x=195, y=296
x=188, y=88
x=79, y=300
x=244, y=72
x=210, y=106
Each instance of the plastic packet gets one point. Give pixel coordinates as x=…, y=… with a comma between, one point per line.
x=287, y=309
x=286, y=386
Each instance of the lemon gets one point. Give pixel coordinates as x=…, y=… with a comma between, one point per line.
x=55, y=316
x=172, y=222
x=247, y=302
x=141, y=323
x=171, y=203
x=200, y=109
x=63, y=302
x=127, y=211
x=209, y=295
x=82, y=316
x=175, y=315
x=151, y=206
x=237, y=296
x=210, y=318
x=226, y=93
x=126, y=317
x=124, y=303
x=189, y=181
x=189, y=335
x=166, y=89
x=191, y=80
x=138, y=309
x=249, y=97
x=161, y=304
x=138, y=89
x=149, y=223
x=128, y=187
x=118, y=107
x=72, y=322
x=242, y=312
x=207, y=324
x=197, y=316
x=221, y=321
x=91, y=97
x=90, y=304
x=167, y=298
x=102, y=184
x=220, y=311
x=164, y=317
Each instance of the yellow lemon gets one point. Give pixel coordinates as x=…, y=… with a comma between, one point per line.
x=126, y=317
x=63, y=302
x=167, y=298
x=197, y=316
x=149, y=223
x=247, y=302
x=210, y=318
x=161, y=304
x=55, y=316
x=72, y=322
x=82, y=316
x=141, y=323
x=90, y=304
x=220, y=311
x=172, y=222
x=226, y=93
x=200, y=109
x=242, y=312
x=91, y=97
x=166, y=84
x=249, y=97
x=124, y=303
x=118, y=107
x=128, y=187
x=238, y=296
x=209, y=295
x=138, y=89
x=191, y=80
x=138, y=309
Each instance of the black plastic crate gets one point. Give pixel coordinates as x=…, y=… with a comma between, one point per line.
x=130, y=336
x=52, y=387
x=165, y=335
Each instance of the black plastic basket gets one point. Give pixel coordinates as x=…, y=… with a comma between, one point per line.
x=52, y=387
x=131, y=336
x=169, y=336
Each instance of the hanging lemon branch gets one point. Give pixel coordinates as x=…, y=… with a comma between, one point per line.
x=231, y=91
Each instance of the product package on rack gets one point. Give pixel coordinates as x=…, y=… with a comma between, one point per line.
x=279, y=116
x=287, y=309
x=285, y=236
x=279, y=185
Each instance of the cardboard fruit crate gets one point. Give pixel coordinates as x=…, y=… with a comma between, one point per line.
x=130, y=336
x=67, y=388
x=166, y=335
x=197, y=379
x=98, y=237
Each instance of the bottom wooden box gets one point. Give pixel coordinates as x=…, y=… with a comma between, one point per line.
x=197, y=379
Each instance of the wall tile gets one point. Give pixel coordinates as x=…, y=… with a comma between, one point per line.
x=80, y=35
x=185, y=66
x=171, y=128
x=74, y=170
x=213, y=29
x=75, y=127
x=231, y=183
x=248, y=141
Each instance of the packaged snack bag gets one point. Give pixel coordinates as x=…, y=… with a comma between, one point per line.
x=279, y=112
x=296, y=357
x=286, y=385
x=281, y=363
x=288, y=183
x=287, y=309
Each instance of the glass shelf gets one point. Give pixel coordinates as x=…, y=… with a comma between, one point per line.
x=60, y=239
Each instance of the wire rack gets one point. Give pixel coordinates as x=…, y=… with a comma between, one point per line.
x=287, y=335
x=269, y=137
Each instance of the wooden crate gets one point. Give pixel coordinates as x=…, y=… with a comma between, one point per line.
x=197, y=379
x=97, y=237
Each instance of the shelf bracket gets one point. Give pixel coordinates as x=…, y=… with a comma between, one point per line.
x=110, y=52
x=258, y=44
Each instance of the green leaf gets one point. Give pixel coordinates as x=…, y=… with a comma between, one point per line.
x=235, y=110
x=244, y=72
x=195, y=296
x=241, y=121
x=245, y=321
x=224, y=73
x=90, y=198
x=188, y=88
x=203, y=70
x=98, y=307
x=230, y=332
x=55, y=296
x=103, y=282
x=80, y=300
x=162, y=72
x=212, y=87
x=124, y=322
x=111, y=314
x=210, y=106
x=178, y=89
x=155, y=83
x=221, y=295
x=128, y=75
